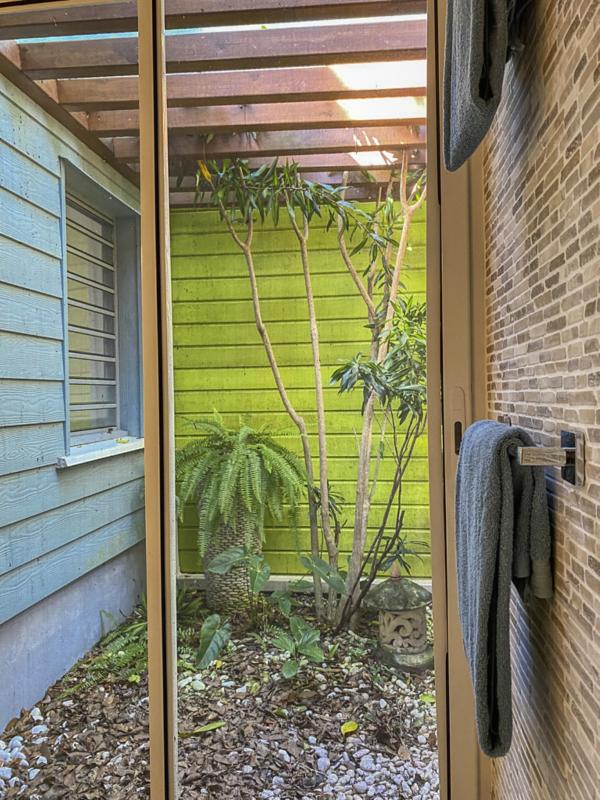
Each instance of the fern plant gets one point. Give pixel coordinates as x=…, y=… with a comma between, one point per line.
x=237, y=477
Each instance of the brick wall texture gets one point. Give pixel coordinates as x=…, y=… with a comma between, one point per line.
x=542, y=217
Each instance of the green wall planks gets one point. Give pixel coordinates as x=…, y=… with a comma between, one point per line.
x=220, y=363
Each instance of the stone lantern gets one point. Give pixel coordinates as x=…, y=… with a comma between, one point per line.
x=402, y=607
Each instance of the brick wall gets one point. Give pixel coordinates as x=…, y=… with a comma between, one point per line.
x=542, y=212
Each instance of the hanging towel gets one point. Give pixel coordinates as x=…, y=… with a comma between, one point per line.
x=477, y=37
x=502, y=534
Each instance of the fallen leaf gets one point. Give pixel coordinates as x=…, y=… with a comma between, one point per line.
x=210, y=726
x=349, y=727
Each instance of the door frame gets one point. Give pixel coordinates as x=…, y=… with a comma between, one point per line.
x=456, y=394
x=157, y=387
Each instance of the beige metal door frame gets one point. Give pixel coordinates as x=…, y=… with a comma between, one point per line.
x=456, y=393
x=157, y=383
x=456, y=396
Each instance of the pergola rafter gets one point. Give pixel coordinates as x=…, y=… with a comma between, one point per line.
x=268, y=117
x=333, y=96
x=283, y=144
x=330, y=165
x=232, y=49
x=251, y=87
x=180, y=14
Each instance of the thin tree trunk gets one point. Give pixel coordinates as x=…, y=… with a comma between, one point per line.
x=246, y=248
x=332, y=551
x=362, y=503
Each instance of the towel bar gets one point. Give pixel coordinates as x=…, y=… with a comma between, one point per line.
x=570, y=456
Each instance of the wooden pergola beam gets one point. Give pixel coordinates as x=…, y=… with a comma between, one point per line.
x=248, y=87
x=269, y=117
x=121, y=17
x=43, y=97
x=233, y=49
x=283, y=144
x=354, y=178
x=325, y=163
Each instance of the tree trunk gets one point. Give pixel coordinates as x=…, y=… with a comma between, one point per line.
x=332, y=551
x=363, y=500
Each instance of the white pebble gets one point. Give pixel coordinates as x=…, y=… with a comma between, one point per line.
x=367, y=764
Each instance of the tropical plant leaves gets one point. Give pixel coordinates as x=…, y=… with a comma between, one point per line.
x=289, y=669
x=259, y=573
x=214, y=635
x=283, y=641
x=224, y=562
x=329, y=574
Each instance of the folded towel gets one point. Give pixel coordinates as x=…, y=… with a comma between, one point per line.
x=502, y=534
x=477, y=39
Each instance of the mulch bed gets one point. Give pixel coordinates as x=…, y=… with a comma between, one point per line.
x=270, y=738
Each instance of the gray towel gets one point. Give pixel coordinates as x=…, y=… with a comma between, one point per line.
x=477, y=37
x=502, y=534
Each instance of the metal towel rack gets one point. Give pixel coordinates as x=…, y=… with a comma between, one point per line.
x=570, y=456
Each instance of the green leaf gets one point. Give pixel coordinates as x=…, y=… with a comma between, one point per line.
x=349, y=727
x=210, y=726
x=283, y=600
x=428, y=698
x=325, y=571
x=313, y=652
x=289, y=668
x=283, y=641
x=259, y=573
x=222, y=563
x=213, y=637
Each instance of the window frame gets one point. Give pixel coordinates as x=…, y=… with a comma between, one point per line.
x=93, y=435
x=81, y=189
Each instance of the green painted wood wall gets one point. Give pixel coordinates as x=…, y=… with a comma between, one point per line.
x=220, y=362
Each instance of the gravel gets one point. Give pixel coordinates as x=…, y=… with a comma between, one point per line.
x=281, y=740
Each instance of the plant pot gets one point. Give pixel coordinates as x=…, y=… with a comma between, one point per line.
x=229, y=594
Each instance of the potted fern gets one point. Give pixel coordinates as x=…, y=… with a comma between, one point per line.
x=237, y=477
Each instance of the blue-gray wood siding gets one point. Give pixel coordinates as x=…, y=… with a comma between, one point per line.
x=55, y=525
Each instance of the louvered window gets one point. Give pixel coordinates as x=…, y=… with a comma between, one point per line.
x=92, y=321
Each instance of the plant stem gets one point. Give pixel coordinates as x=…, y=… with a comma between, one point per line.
x=332, y=552
x=363, y=500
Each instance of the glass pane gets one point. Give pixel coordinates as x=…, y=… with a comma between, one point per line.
x=83, y=318
x=88, y=368
x=92, y=345
x=93, y=419
x=92, y=393
x=73, y=634
x=339, y=718
x=90, y=295
x=90, y=270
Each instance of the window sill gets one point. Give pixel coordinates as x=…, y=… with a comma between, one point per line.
x=86, y=453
